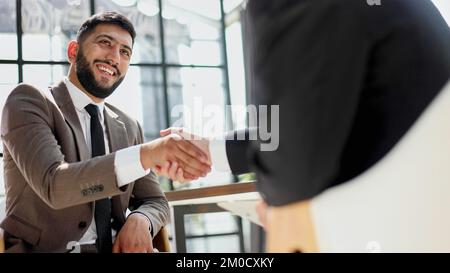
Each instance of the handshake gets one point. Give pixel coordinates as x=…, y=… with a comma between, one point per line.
x=178, y=155
x=183, y=157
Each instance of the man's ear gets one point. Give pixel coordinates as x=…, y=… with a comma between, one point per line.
x=72, y=51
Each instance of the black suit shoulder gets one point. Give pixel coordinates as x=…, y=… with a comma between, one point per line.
x=349, y=78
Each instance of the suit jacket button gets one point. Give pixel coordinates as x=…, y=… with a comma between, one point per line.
x=82, y=224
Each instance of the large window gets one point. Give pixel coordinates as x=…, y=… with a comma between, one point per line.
x=179, y=58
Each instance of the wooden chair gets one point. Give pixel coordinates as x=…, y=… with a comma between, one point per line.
x=399, y=205
x=2, y=243
x=161, y=240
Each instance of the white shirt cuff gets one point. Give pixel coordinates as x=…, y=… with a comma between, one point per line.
x=128, y=167
x=218, y=152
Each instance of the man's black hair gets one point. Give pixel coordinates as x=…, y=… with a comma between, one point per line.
x=109, y=17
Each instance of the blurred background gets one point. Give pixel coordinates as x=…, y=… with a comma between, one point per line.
x=184, y=50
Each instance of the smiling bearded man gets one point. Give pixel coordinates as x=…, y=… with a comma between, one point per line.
x=75, y=166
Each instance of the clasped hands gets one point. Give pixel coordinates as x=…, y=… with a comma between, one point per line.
x=190, y=160
x=179, y=155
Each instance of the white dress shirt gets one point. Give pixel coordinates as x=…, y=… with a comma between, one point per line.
x=218, y=153
x=127, y=162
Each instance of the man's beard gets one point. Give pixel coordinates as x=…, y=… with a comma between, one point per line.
x=87, y=79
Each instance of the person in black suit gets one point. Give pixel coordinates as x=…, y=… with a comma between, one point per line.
x=350, y=79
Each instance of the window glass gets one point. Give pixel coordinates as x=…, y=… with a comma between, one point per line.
x=48, y=25
x=236, y=75
x=196, y=101
x=201, y=92
x=141, y=96
x=230, y=5
x=8, y=37
x=219, y=244
x=210, y=223
x=144, y=16
x=43, y=76
x=8, y=80
x=192, y=32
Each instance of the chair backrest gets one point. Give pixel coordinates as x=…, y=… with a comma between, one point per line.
x=2, y=243
x=161, y=240
x=402, y=203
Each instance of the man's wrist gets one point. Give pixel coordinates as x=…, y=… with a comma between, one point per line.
x=143, y=217
x=144, y=156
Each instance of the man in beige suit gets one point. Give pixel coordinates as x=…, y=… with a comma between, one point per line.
x=74, y=164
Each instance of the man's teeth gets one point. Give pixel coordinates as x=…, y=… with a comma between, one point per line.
x=105, y=69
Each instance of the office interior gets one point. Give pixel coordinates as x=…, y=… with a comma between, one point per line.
x=184, y=50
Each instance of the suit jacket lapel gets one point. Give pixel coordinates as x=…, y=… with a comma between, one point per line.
x=65, y=104
x=118, y=139
x=117, y=133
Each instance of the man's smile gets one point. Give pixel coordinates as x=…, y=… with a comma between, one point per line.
x=106, y=70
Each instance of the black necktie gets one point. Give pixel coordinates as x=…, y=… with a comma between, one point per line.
x=102, y=207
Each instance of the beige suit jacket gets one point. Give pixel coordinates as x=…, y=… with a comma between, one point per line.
x=51, y=182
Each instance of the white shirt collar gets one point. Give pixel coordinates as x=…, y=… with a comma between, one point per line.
x=80, y=99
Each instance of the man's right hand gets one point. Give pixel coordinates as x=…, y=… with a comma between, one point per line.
x=172, y=150
x=174, y=171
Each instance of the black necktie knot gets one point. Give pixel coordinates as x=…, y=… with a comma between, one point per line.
x=92, y=109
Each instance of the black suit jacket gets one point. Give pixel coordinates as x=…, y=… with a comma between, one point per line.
x=350, y=79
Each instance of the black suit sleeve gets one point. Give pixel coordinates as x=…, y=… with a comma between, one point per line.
x=237, y=148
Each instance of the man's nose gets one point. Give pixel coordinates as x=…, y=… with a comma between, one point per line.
x=113, y=55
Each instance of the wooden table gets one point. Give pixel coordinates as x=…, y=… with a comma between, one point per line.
x=205, y=200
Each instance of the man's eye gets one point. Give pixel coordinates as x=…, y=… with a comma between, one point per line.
x=105, y=42
x=126, y=53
